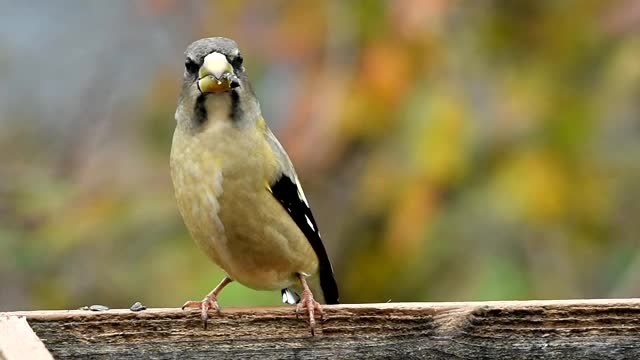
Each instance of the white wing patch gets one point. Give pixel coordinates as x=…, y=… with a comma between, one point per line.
x=304, y=199
x=309, y=222
x=301, y=193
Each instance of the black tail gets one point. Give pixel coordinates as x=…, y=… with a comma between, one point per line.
x=328, y=284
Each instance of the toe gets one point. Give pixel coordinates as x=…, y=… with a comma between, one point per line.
x=309, y=306
x=192, y=304
x=204, y=316
x=213, y=305
x=318, y=308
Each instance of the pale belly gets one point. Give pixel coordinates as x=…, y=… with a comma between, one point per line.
x=236, y=221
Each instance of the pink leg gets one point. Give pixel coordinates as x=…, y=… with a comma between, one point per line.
x=309, y=304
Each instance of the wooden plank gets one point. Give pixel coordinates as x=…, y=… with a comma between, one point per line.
x=18, y=341
x=570, y=329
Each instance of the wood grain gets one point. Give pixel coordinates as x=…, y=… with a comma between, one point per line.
x=569, y=329
x=18, y=341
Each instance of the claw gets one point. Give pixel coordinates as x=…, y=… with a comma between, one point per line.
x=210, y=302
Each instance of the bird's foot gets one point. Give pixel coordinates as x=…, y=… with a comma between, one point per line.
x=309, y=305
x=210, y=302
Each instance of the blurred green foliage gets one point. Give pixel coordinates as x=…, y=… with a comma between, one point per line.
x=451, y=151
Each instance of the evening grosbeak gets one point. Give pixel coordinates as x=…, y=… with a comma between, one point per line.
x=237, y=190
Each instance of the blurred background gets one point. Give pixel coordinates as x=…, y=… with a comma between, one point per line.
x=484, y=150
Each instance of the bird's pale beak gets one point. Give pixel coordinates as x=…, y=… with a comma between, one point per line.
x=216, y=75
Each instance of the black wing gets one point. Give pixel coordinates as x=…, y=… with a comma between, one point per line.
x=285, y=190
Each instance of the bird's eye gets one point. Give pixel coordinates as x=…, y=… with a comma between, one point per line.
x=191, y=66
x=237, y=61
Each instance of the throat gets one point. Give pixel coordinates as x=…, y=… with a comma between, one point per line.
x=217, y=107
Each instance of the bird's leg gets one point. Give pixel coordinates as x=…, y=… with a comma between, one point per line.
x=308, y=303
x=209, y=302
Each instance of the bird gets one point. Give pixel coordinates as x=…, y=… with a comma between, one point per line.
x=237, y=190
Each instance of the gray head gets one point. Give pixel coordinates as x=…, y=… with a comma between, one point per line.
x=215, y=82
x=203, y=47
